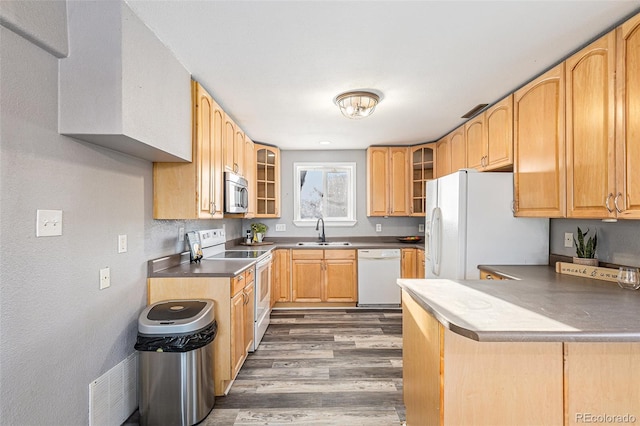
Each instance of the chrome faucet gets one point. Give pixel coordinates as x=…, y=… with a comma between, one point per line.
x=321, y=236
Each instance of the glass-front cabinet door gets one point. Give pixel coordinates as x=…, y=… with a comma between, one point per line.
x=421, y=172
x=267, y=181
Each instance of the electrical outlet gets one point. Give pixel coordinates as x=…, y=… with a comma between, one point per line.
x=105, y=278
x=281, y=227
x=421, y=227
x=122, y=243
x=568, y=239
x=378, y=227
x=180, y=234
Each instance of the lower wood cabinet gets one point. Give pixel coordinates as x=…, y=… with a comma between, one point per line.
x=281, y=277
x=324, y=276
x=234, y=306
x=449, y=379
x=412, y=265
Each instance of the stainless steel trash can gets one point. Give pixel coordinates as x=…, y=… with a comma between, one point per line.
x=175, y=340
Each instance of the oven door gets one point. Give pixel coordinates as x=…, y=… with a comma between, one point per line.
x=263, y=298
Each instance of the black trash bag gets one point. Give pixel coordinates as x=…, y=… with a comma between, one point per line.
x=177, y=342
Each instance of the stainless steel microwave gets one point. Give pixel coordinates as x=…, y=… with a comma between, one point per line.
x=236, y=195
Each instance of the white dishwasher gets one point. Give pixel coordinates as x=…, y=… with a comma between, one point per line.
x=378, y=271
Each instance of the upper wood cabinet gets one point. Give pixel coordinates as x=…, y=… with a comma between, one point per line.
x=387, y=181
x=442, y=157
x=458, y=149
x=590, y=130
x=267, y=194
x=422, y=164
x=194, y=190
x=250, y=174
x=499, y=130
x=628, y=119
x=233, y=147
x=539, y=146
x=476, y=137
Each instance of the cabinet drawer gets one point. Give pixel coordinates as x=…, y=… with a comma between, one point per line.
x=339, y=254
x=249, y=275
x=307, y=254
x=237, y=283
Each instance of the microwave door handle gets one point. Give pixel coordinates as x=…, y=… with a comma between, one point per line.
x=245, y=197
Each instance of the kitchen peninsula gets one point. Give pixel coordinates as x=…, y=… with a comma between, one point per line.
x=542, y=349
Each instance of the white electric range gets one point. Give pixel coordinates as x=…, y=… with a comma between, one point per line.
x=213, y=248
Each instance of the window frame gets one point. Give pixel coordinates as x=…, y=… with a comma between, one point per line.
x=350, y=168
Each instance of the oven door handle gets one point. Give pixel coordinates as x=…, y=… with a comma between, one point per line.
x=264, y=262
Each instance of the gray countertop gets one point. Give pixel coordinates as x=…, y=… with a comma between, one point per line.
x=538, y=305
x=178, y=265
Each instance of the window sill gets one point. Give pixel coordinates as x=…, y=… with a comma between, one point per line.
x=327, y=223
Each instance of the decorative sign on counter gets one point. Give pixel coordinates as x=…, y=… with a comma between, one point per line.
x=594, y=272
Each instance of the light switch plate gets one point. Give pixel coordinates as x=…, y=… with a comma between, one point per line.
x=48, y=223
x=421, y=227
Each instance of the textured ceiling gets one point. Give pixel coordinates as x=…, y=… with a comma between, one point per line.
x=276, y=66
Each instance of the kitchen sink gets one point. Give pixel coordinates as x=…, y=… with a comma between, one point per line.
x=326, y=243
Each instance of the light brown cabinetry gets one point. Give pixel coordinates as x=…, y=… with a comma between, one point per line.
x=422, y=164
x=408, y=266
x=281, y=284
x=458, y=149
x=234, y=307
x=590, y=127
x=387, y=181
x=489, y=137
x=420, y=264
x=628, y=119
x=442, y=157
x=194, y=190
x=233, y=147
x=250, y=175
x=323, y=276
x=452, y=380
x=267, y=181
x=539, y=146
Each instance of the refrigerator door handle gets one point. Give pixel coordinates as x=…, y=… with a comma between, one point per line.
x=435, y=240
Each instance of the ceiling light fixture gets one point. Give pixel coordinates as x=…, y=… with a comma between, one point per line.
x=358, y=104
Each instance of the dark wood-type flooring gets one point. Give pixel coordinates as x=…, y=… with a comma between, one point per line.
x=320, y=367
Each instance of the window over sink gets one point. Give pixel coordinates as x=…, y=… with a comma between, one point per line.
x=327, y=191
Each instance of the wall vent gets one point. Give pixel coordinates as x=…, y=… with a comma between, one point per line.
x=113, y=397
x=475, y=110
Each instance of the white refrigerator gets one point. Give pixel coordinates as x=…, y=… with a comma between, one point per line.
x=470, y=222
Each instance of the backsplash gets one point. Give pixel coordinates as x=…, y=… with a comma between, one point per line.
x=618, y=242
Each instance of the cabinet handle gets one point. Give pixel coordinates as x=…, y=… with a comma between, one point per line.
x=236, y=167
x=240, y=277
x=212, y=207
x=606, y=202
x=513, y=206
x=615, y=202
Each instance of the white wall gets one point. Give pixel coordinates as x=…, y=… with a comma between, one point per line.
x=365, y=226
x=58, y=331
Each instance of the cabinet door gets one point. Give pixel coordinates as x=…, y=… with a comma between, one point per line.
x=250, y=175
x=420, y=271
x=340, y=277
x=408, y=267
x=306, y=275
x=238, y=152
x=499, y=125
x=399, y=175
x=248, y=315
x=458, y=149
x=228, y=144
x=539, y=148
x=628, y=119
x=422, y=163
x=590, y=80
x=377, y=181
x=238, y=349
x=281, y=282
x=476, y=139
x=267, y=181
x=443, y=157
